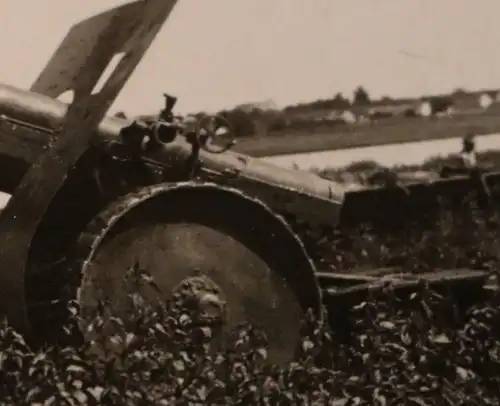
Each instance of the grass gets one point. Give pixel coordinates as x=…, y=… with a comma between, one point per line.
x=390, y=131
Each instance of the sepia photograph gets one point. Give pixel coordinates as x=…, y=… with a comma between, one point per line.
x=250, y=202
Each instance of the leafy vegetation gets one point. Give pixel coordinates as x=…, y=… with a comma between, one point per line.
x=421, y=351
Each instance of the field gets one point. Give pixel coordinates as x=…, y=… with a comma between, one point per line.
x=420, y=354
x=390, y=131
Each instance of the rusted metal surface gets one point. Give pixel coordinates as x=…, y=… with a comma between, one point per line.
x=76, y=66
x=184, y=230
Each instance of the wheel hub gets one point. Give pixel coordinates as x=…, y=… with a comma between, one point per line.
x=202, y=297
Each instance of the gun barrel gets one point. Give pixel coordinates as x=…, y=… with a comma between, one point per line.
x=46, y=112
x=26, y=122
x=295, y=191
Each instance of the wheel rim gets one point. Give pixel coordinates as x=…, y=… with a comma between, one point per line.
x=180, y=254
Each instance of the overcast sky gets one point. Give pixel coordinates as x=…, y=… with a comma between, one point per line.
x=217, y=53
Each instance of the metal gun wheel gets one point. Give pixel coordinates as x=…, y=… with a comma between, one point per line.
x=230, y=255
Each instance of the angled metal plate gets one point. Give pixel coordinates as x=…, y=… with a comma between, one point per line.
x=77, y=66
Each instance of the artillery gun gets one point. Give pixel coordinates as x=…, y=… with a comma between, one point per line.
x=93, y=195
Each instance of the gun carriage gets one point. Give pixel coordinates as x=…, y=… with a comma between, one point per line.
x=93, y=195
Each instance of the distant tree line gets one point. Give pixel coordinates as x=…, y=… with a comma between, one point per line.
x=362, y=106
x=360, y=97
x=250, y=120
x=254, y=121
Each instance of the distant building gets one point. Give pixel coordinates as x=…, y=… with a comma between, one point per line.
x=489, y=97
x=481, y=99
x=264, y=105
x=346, y=116
x=436, y=106
x=486, y=100
x=403, y=109
x=387, y=107
x=424, y=109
